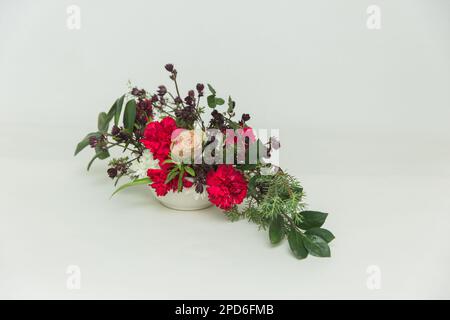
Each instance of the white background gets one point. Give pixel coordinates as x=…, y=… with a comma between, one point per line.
x=363, y=117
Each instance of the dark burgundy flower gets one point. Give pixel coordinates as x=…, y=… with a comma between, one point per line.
x=137, y=92
x=142, y=118
x=189, y=101
x=199, y=188
x=178, y=100
x=200, y=87
x=187, y=113
x=154, y=98
x=218, y=120
x=112, y=173
x=162, y=90
x=123, y=136
x=245, y=117
x=93, y=141
x=142, y=104
x=169, y=67
x=115, y=130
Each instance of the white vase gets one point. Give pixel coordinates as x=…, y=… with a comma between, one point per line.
x=185, y=200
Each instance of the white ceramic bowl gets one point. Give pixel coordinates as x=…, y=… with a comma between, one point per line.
x=185, y=200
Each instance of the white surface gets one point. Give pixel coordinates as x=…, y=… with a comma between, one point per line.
x=363, y=117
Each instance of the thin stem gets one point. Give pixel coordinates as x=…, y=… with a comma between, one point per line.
x=198, y=114
x=129, y=161
x=178, y=91
x=119, y=144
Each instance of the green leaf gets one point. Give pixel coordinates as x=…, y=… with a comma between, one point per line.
x=230, y=102
x=316, y=246
x=118, y=109
x=172, y=174
x=112, y=112
x=276, y=232
x=190, y=171
x=132, y=183
x=129, y=115
x=100, y=155
x=103, y=122
x=312, y=219
x=230, y=105
x=296, y=244
x=219, y=101
x=320, y=232
x=211, y=101
x=85, y=142
x=211, y=89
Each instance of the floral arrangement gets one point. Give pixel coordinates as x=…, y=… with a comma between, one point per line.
x=173, y=146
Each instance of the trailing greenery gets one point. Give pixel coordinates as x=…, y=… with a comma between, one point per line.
x=275, y=202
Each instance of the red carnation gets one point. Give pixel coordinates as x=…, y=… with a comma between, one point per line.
x=159, y=176
x=226, y=187
x=157, y=137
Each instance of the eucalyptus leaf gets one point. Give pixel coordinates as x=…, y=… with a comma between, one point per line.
x=103, y=122
x=323, y=233
x=112, y=112
x=219, y=101
x=102, y=154
x=211, y=101
x=211, y=89
x=118, y=109
x=132, y=183
x=129, y=115
x=276, y=232
x=85, y=142
x=312, y=219
x=295, y=240
x=316, y=246
x=231, y=105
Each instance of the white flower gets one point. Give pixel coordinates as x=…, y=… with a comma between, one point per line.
x=139, y=167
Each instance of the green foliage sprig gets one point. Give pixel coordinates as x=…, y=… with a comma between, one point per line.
x=275, y=202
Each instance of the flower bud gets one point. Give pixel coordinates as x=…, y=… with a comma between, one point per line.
x=115, y=130
x=245, y=117
x=169, y=67
x=112, y=173
x=93, y=142
x=162, y=90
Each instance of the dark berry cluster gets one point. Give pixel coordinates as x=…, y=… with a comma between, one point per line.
x=200, y=87
x=217, y=121
x=187, y=114
x=201, y=170
x=118, y=167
